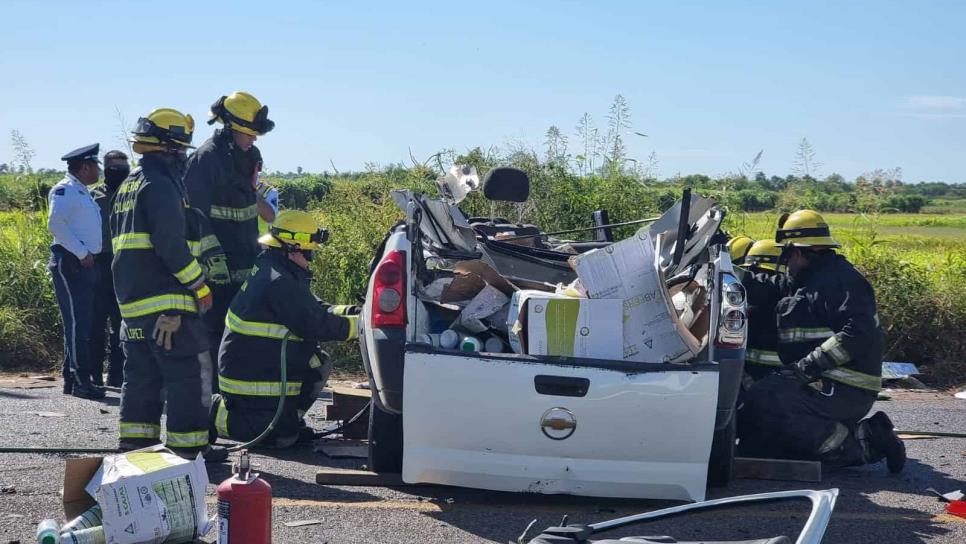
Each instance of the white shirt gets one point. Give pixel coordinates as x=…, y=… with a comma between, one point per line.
x=74, y=219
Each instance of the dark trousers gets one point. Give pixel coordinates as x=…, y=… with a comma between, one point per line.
x=106, y=312
x=74, y=288
x=785, y=419
x=242, y=419
x=185, y=380
x=215, y=323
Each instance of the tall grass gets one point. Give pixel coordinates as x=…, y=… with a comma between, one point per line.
x=916, y=263
x=29, y=319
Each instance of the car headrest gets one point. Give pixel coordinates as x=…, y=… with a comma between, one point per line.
x=506, y=184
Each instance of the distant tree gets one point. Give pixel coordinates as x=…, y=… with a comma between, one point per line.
x=806, y=165
x=122, y=132
x=299, y=170
x=618, y=122
x=22, y=151
x=556, y=144
x=589, y=138
x=648, y=170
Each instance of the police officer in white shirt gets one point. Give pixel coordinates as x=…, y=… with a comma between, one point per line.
x=75, y=223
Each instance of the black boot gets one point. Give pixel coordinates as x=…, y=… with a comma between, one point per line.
x=883, y=442
x=215, y=454
x=84, y=389
x=842, y=449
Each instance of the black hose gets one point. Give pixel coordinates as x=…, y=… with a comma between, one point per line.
x=57, y=450
x=282, y=392
x=346, y=423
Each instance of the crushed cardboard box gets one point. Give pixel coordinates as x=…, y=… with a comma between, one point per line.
x=487, y=302
x=147, y=496
x=628, y=270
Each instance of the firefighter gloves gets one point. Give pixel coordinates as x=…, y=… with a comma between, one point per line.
x=164, y=329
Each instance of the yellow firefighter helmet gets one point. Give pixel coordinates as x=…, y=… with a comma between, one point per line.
x=805, y=228
x=763, y=254
x=164, y=128
x=242, y=112
x=738, y=247
x=295, y=228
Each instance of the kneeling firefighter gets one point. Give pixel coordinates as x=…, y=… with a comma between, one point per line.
x=274, y=307
x=761, y=357
x=831, y=346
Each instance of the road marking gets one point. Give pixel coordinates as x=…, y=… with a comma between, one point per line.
x=427, y=506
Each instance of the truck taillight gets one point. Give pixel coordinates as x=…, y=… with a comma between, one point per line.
x=389, y=290
x=733, y=321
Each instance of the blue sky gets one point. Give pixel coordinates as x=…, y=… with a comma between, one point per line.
x=871, y=84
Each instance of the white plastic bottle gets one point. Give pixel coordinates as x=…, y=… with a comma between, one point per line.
x=48, y=532
x=494, y=345
x=91, y=535
x=449, y=339
x=91, y=518
x=471, y=344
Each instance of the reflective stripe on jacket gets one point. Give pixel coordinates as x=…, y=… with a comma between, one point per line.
x=153, y=267
x=274, y=302
x=219, y=184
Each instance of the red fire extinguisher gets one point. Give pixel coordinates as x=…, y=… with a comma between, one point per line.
x=244, y=507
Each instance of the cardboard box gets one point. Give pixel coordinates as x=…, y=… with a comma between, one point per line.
x=575, y=327
x=544, y=323
x=147, y=496
x=516, y=320
x=628, y=270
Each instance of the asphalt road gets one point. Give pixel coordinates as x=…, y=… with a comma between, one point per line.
x=873, y=506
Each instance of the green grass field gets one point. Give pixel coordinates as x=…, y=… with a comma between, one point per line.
x=916, y=263
x=937, y=242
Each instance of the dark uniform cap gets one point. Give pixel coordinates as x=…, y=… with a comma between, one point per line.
x=86, y=153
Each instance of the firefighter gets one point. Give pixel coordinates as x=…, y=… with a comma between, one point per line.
x=830, y=345
x=738, y=247
x=161, y=292
x=275, y=303
x=75, y=225
x=761, y=357
x=221, y=181
x=106, y=312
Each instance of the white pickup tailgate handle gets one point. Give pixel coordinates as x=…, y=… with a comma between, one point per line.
x=561, y=386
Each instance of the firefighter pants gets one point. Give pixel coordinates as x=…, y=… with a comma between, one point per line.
x=243, y=417
x=783, y=418
x=185, y=380
x=214, y=320
x=74, y=288
x=106, y=312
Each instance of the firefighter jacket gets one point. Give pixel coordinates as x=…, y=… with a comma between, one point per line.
x=273, y=303
x=153, y=267
x=219, y=182
x=828, y=315
x=762, y=353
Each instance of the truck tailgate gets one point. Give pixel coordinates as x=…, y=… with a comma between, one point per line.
x=570, y=426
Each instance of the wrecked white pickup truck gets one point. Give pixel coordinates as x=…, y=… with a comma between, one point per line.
x=503, y=358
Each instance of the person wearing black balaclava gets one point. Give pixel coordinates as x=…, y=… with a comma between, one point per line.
x=106, y=318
